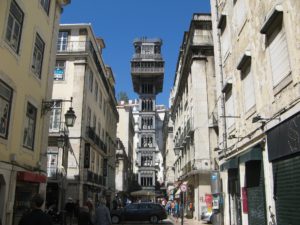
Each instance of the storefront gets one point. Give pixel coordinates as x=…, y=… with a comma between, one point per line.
x=246, y=189
x=28, y=184
x=284, y=153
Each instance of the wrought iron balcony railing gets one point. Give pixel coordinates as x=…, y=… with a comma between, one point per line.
x=147, y=69
x=147, y=56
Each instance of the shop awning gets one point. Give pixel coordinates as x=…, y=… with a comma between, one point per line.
x=253, y=154
x=31, y=177
x=230, y=164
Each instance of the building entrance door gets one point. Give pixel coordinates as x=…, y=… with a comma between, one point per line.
x=234, y=197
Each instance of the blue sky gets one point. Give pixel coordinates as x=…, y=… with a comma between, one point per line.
x=119, y=22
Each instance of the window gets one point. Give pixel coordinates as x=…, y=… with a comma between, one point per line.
x=146, y=160
x=46, y=5
x=94, y=122
x=225, y=40
x=29, y=128
x=62, y=42
x=147, y=49
x=96, y=91
x=14, y=26
x=100, y=99
x=5, y=106
x=91, y=80
x=229, y=109
x=88, y=118
x=37, y=58
x=59, y=71
x=239, y=13
x=279, y=55
x=248, y=88
x=55, y=117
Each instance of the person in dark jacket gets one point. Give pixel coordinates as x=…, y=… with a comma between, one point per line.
x=84, y=215
x=36, y=216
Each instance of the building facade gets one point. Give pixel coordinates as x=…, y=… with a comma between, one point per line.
x=147, y=72
x=192, y=104
x=125, y=132
x=27, y=55
x=168, y=157
x=256, y=54
x=80, y=73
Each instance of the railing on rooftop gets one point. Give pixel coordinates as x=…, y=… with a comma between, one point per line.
x=147, y=69
x=147, y=56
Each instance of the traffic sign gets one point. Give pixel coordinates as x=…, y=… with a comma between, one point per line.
x=183, y=187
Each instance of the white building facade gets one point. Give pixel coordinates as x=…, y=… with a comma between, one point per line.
x=193, y=99
x=80, y=73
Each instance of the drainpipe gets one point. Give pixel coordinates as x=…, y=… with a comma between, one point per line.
x=215, y=178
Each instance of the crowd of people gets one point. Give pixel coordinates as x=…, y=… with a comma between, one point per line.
x=88, y=214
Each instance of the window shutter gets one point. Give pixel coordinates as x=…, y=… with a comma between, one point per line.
x=225, y=41
x=240, y=13
x=229, y=109
x=279, y=57
x=248, y=89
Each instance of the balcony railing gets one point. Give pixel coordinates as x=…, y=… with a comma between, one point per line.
x=147, y=69
x=206, y=40
x=91, y=134
x=147, y=56
x=89, y=176
x=53, y=173
x=73, y=46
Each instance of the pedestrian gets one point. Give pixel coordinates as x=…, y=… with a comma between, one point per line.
x=173, y=208
x=102, y=214
x=176, y=210
x=69, y=207
x=85, y=215
x=36, y=216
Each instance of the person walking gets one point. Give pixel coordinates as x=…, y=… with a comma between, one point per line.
x=85, y=215
x=102, y=214
x=69, y=208
x=36, y=216
x=177, y=210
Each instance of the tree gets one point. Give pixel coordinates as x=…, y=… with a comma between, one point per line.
x=122, y=96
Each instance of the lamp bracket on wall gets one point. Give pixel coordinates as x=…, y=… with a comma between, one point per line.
x=48, y=106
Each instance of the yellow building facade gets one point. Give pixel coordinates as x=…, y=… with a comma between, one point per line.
x=28, y=34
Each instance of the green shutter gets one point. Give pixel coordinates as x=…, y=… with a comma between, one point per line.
x=286, y=175
x=256, y=193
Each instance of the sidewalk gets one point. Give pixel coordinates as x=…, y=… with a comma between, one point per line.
x=186, y=221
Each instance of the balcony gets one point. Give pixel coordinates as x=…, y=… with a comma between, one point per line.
x=139, y=70
x=74, y=46
x=147, y=56
x=202, y=40
x=91, y=134
x=53, y=173
x=91, y=177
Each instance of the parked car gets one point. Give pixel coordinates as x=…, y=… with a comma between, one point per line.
x=149, y=211
x=207, y=216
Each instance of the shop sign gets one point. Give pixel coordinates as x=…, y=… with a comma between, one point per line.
x=183, y=187
x=31, y=177
x=86, y=163
x=215, y=202
x=208, y=201
x=245, y=200
x=58, y=73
